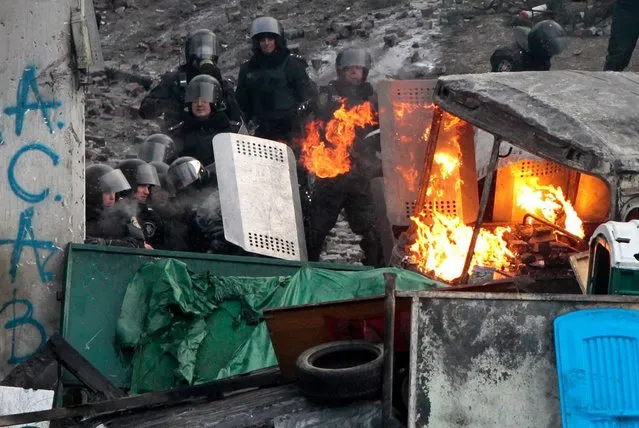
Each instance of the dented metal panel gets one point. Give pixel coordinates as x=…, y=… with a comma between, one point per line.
x=405, y=115
x=488, y=360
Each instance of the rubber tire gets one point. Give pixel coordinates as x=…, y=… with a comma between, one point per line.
x=340, y=385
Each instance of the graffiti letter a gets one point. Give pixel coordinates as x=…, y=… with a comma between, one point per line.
x=29, y=83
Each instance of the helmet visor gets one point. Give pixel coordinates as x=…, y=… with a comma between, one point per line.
x=113, y=181
x=202, y=46
x=185, y=174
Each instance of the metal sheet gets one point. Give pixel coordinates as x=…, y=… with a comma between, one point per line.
x=259, y=195
x=97, y=278
x=485, y=360
x=403, y=142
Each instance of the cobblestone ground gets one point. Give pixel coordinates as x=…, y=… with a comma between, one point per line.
x=342, y=245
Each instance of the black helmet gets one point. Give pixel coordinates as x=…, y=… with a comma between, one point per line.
x=185, y=171
x=546, y=39
x=267, y=25
x=163, y=173
x=139, y=172
x=350, y=57
x=157, y=147
x=101, y=179
x=201, y=46
x=204, y=88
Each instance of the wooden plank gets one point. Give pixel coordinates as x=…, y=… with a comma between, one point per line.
x=295, y=329
x=252, y=409
x=82, y=369
x=192, y=394
x=579, y=264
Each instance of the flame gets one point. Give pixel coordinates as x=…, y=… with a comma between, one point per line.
x=549, y=202
x=331, y=158
x=440, y=248
x=410, y=176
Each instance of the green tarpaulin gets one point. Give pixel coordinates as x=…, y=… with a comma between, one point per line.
x=186, y=329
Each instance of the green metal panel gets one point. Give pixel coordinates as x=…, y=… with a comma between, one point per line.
x=97, y=278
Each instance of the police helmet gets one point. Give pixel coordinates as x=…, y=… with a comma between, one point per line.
x=546, y=39
x=351, y=57
x=204, y=88
x=201, y=47
x=157, y=147
x=139, y=172
x=101, y=178
x=185, y=171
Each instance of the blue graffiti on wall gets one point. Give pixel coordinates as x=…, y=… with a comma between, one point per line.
x=26, y=238
x=20, y=192
x=25, y=319
x=28, y=98
x=28, y=83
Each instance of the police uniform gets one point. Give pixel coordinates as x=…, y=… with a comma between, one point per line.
x=349, y=191
x=624, y=34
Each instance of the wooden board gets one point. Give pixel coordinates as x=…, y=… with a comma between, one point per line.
x=579, y=263
x=295, y=329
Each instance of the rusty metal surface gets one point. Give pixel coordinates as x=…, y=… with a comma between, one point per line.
x=403, y=143
x=485, y=360
x=554, y=114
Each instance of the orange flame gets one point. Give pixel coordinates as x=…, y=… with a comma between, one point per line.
x=331, y=158
x=440, y=248
x=549, y=202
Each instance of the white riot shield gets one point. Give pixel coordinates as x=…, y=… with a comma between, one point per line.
x=404, y=117
x=259, y=196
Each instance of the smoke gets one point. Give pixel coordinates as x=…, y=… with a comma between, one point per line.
x=113, y=221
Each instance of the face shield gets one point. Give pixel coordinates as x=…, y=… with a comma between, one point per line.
x=146, y=174
x=202, y=48
x=152, y=151
x=185, y=174
x=113, y=181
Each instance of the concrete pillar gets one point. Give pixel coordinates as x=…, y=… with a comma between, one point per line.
x=41, y=170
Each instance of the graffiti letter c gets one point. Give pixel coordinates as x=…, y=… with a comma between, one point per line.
x=23, y=194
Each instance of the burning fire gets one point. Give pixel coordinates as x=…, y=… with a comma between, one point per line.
x=440, y=248
x=549, y=202
x=401, y=110
x=330, y=158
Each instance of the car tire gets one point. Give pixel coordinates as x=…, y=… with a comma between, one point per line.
x=340, y=371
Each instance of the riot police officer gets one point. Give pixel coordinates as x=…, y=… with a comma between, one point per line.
x=624, y=34
x=201, y=54
x=532, y=50
x=106, y=223
x=158, y=148
x=205, y=117
x=273, y=87
x=349, y=191
x=142, y=176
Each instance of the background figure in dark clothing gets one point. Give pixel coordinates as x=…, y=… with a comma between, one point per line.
x=532, y=50
x=273, y=87
x=197, y=223
x=158, y=148
x=624, y=34
x=349, y=191
x=106, y=224
x=206, y=116
x=142, y=176
x=167, y=97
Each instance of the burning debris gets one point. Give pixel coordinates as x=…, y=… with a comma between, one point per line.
x=550, y=229
x=326, y=145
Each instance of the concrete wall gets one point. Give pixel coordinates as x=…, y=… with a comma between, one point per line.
x=41, y=170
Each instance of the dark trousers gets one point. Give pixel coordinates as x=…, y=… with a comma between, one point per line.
x=352, y=194
x=623, y=36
